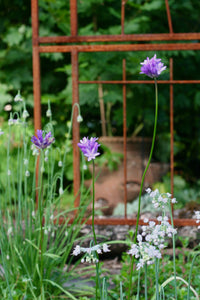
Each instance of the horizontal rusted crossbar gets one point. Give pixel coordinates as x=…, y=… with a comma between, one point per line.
x=192, y=36
x=131, y=222
x=139, y=82
x=120, y=47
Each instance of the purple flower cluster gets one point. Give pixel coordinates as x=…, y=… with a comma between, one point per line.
x=89, y=147
x=152, y=67
x=42, y=141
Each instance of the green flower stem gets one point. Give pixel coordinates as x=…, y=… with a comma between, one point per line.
x=40, y=206
x=174, y=252
x=145, y=278
x=142, y=181
x=138, y=286
x=93, y=200
x=156, y=273
x=93, y=229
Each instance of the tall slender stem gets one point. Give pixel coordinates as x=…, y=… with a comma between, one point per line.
x=145, y=278
x=40, y=200
x=174, y=251
x=142, y=181
x=93, y=200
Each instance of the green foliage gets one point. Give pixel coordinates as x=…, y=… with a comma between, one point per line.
x=103, y=17
x=34, y=246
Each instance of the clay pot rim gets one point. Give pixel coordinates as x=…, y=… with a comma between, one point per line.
x=120, y=139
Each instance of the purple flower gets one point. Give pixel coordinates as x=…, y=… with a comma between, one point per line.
x=152, y=67
x=42, y=141
x=89, y=147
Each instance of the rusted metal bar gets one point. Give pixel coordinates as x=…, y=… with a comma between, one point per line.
x=102, y=109
x=120, y=47
x=190, y=36
x=169, y=19
x=76, y=138
x=123, y=3
x=171, y=91
x=36, y=65
x=73, y=17
x=139, y=82
x=124, y=138
x=132, y=222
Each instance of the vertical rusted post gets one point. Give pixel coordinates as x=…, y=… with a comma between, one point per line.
x=76, y=138
x=171, y=87
x=125, y=138
x=169, y=19
x=122, y=15
x=73, y=17
x=36, y=64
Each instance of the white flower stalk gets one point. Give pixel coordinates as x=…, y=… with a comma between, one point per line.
x=197, y=217
x=90, y=252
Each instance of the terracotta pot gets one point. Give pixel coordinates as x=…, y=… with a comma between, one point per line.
x=109, y=187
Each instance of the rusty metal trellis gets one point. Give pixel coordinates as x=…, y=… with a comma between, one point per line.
x=171, y=37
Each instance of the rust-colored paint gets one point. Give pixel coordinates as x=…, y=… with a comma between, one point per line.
x=171, y=96
x=131, y=222
x=140, y=82
x=120, y=47
x=124, y=138
x=76, y=138
x=73, y=17
x=169, y=19
x=36, y=64
x=136, y=43
x=147, y=37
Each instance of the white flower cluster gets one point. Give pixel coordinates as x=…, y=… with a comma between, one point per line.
x=35, y=151
x=151, y=241
x=197, y=217
x=90, y=252
x=160, y=200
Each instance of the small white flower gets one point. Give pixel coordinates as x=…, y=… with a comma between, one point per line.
x=7, y=257
x=18, y=97
x=9, y=230
x=79, y=119
x=105, y=248
x=51, y=217
x=25, y=114
x=148, y=190
x=139, y=238
x=33, y=214
x=60, y=164
x=45, y=231
x=66, y=233
x=77, y=250
x=48, y=113
x=85, y=167
x=61, y=192
x=25, y=161
x=9, y=172
x=27, y=173
x=10, y=122
x=174, y=200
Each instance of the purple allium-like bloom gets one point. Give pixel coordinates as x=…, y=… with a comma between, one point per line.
x=152, y=67
x=89, y=147
x=42, y=141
